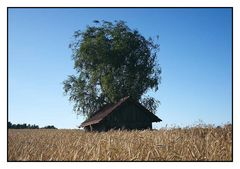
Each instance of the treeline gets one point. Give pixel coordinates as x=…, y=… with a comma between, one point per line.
x=28, y=126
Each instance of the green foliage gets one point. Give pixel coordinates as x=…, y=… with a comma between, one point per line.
x=49, y=127
x=150, y=103
x=22, y=126
x=112, y=61
x=28, y=126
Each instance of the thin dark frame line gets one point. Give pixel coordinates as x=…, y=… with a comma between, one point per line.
x=133, y=7
x=232, y=84
x=110, y=8
x=7, y=86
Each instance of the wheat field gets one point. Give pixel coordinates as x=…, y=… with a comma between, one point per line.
x=199, y=143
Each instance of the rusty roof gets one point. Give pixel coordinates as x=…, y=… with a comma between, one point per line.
x=109, y=108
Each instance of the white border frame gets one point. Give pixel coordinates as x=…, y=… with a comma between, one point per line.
x=108, y=3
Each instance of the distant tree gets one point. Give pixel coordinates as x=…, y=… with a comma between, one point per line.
x=18, y=126
x=14, y=126
x=22, y=126
x=35, y=126
x=112, y=61
x=9, y=124
x=49, y=127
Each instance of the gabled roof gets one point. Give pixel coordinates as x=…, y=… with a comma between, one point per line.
x=109, y=108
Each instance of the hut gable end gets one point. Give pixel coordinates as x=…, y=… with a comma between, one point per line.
x=129, y=113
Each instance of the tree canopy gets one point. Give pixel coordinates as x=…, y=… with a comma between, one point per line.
x=111, y=61
x=28, y=126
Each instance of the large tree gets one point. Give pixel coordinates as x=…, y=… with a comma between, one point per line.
x=111, y=61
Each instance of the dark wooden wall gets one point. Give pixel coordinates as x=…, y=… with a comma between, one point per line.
x=128, y=116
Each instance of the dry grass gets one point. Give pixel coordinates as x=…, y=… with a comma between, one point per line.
x=189, y=144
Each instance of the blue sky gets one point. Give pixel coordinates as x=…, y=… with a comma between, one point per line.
x=195, y=57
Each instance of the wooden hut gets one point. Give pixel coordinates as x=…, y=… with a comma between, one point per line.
x=125, y=114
